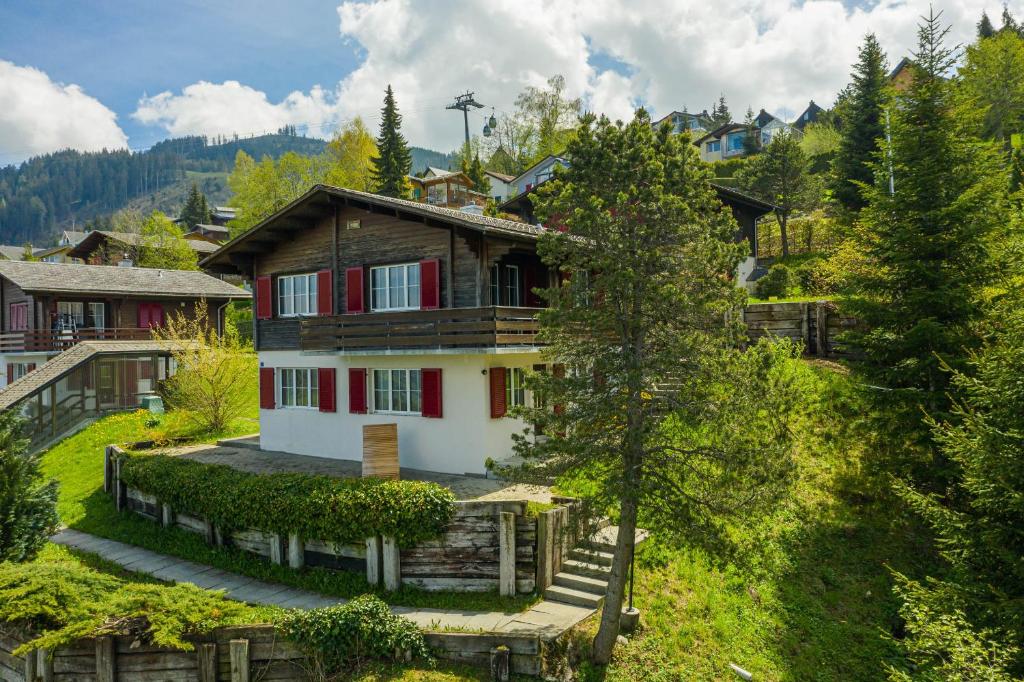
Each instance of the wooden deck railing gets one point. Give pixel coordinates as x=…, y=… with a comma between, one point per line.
x=46, y=340
x=446, y=328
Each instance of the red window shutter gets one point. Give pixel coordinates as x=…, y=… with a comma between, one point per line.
x=10, y=372
x=357, y=391
x=558, y=371
x=264, y=298
x=497, y=380
x=142, y=315
x=325, y=292
x=31, y=367
x=430, y=385
x=325, y=382
x=267, y=398
x=534, y=279
x=354, y=290
x=430, y=284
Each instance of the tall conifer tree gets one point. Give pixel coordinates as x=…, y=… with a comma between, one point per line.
x=862, y=125
x=196, y=210
x=393, y=162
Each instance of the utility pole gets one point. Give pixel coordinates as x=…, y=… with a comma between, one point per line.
x=463, y=103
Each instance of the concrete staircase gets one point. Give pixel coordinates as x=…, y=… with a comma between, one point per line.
x=583, y=579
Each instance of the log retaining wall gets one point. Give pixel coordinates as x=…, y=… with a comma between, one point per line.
x=815, y=326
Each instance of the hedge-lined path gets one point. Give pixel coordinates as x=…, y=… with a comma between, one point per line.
x=545, y=619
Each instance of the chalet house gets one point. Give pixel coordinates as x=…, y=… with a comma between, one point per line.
x=726, y=142
x=448, y=189
x=215, y=234
x=377, y=310
x=221, y=215
x=902, y=75
x=11, y=252
x=47, y=308
x=102, y=247
x=536, y=174
x=769, y=125
x=810, y=115
x=684, y=121
x=501, y=185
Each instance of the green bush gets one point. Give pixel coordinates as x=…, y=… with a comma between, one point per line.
x=780, y=281
x=334, y=510
x=342, y=637
x=28, y=503
x=64, y=601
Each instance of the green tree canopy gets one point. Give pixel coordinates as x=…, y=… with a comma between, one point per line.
x=196, y=210
x=393, y=161
x=779, y=176
x=28, y=503
x=164, y=246
x=348, y=158
x=992, y=81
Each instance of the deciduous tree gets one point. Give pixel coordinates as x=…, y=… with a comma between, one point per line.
x=348, y=158
x=163, y=245
x=779, y=175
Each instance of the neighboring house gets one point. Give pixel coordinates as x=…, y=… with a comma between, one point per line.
x=59, y=254
x=376, y=310
x=220, y=215
x=809, y=116
x=501, y=185
x=902, y=75
x=9, y=252
x=46, y=308
x=448, y=189
x=217, y=234
x=695, y=124
x=769, y=126
x=724, y=142
x=102, y=247
x=536, y=174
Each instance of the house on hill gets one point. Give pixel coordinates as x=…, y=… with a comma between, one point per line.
x=47, y=308
x=902, y=75
x=215, y=234
x=501, y=185
x=102, y=247
x=448, y=189
x=683, y=121
x=810, y=115
x=727, y=141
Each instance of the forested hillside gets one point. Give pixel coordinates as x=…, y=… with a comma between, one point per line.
x=47, y=193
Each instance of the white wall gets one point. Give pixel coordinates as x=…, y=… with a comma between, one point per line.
x=459, y=442
x=38, y=358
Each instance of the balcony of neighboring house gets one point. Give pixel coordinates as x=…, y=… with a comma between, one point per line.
x=61, y=339
x=452, y=328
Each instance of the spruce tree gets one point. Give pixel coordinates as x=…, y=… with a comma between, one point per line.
x=927, y=250
x=393, y=162
x=196, y=210
x=720, y=114
x=985, y=27
x=28, y=502
x=862, y=125
x=481, y=181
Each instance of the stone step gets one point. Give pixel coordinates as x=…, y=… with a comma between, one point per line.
x=592, y=556
x=583, y=568
x=567, y=595
x=583, y=583
x=604, y=539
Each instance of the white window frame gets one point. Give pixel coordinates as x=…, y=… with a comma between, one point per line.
x=76, y=309
x=292, y=303
x=515, y=387
x=288, y=388
x=413, y=395
x=412, y=302
x=20, y=370
x=513, y=287
x=495, y=284
x=102, y=316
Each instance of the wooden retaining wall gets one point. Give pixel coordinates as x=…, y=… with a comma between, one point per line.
x=231, y=654
x=489, y=545
x=814, y=325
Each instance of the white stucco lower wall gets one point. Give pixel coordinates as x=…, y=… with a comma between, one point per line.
x=459, y=442
x=37, y=358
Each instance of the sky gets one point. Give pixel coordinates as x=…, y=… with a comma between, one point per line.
x=95, y=74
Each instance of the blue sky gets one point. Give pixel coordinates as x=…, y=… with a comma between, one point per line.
x=90, y=74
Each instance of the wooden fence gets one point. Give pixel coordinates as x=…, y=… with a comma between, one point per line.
x=230, y=654
x=488, y=545
x=814, y=325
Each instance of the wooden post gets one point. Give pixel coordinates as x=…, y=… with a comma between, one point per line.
x=821, y=321
x=545, y=550
x=276, y=549
x=44, y=665
x=107, y=472
x=296, y=552
x=500, y=663
x=373, y=560
x=506, y=554
x=166, y=515
x=392, y=564
x=239, y=660
x=53, y=409
x=120, y=489
x=30, y=665
x=218, y=536
x=805, y=324
x=206, y=654
x=106, y=659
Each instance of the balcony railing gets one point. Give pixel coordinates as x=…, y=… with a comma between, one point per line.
x=47, y=340
x=488, y=327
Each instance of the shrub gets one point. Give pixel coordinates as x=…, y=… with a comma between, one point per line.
x=28, y=504
x=342, y=637
x=330, y=509
x=65, y=601
x=780, y=281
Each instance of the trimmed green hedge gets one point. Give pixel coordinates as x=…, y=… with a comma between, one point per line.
x=345, y=511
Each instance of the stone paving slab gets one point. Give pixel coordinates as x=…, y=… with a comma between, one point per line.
x=545, y=619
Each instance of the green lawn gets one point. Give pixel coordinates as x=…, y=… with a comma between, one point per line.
x=77, y=463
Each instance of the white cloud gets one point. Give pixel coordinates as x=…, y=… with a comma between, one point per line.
x=39, y=116
x=230, y=107
x=775, y=54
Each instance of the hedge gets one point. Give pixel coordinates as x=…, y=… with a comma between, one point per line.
x=345, y=511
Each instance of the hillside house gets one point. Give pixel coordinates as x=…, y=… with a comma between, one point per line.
x=47, y=308
x=536, y=174
x=215, y=234
x=103, y=247
x=447, y=189
x=810, y=115
x=727, y=141
x=683, y=121
x=501, y=185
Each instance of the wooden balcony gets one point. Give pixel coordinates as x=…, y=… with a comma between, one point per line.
x=490, y=327
x=50, y=341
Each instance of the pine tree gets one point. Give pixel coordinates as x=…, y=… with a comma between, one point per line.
x=393, y=162
x=752, y=140
x=1009, y=23
x=862, y=126
x=985, y=27
x=720, y=114
x=927, y=251
x=196, y=210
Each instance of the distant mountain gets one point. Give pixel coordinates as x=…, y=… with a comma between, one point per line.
x=49, y=193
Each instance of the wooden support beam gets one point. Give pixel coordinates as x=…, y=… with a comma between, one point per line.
x=821, y=329
x=30, y=665
x=296, y=552
x=206, y=656
x=44, y=665
x=106, y=659
x=120, y=489
x=373, y=560
x=239, y=654
x=392, y=564
x=506, y=554
x=166, y=515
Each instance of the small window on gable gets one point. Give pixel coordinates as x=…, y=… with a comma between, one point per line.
x=353, y=224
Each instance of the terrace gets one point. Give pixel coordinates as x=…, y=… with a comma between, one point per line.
x=56, y=341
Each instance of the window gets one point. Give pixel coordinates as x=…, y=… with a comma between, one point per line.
x=355, y=224
x=512, y=287
x=300, y=388
x=715, y=146
x=396, y=391
x=71, y=312
x=736, y=141
x=97, y=317
x=296, y=295
x=395, y=287
x=515, y=387
x=495, y=285
x=17, y=370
